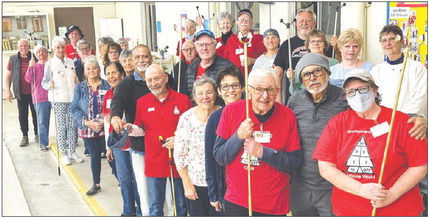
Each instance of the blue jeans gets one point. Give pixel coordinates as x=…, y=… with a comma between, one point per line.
x=95, y=146
x=126, y=179
x=157, y=188
x=43, y=111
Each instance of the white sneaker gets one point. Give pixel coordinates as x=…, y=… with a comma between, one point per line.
x=77, y=159
x=66, y=160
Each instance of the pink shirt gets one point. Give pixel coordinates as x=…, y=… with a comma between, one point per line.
x=34, y=76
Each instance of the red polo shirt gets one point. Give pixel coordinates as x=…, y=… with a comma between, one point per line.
x=159, y=119
x=234, y=48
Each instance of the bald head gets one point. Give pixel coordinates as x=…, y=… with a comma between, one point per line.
x=156, y=80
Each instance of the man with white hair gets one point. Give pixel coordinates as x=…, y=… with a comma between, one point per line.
x=15, y=74
x=158, y=113
x=313, y=107
x=234, y=49
x=270, y=136
x=305, y=23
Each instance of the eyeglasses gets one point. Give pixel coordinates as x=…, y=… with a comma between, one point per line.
x=316, y=41
x=202, y=45
x=260, y=90
x=188, y=49
x=226, y=87
x=361, y=90
x=316, y=73
x=85, y=49
x=390, y=39
x=244, y=20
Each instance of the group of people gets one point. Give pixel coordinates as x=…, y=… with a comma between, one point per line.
x=314, y=128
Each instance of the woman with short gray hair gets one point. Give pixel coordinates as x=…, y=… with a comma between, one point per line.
x=225, y=21
x=60, y=80
x=34, y=76
x=87, y=107
x=126, y=61
x=189, y=145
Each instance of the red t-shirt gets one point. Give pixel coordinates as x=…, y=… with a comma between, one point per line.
x=25, y=86
x=234, y=48
x=348, y=142
x=106, y=111
x=159, y=119
x=270, y=187
x=200, y=72
x=71, y=52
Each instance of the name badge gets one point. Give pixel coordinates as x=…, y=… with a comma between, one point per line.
x=380, y=129
x=150, y=109
x=219, y=44
x=239, y=51
x=102, y=92
x=108, y=103
x=262, y=136
x=249, y=45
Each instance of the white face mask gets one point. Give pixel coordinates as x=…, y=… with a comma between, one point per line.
x=361, y=102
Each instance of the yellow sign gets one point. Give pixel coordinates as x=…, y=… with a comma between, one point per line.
x=413, y=15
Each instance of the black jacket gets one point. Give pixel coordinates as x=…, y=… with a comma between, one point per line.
x=219, y=63
x=125, y=100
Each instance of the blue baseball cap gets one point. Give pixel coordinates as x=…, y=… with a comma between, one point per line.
x=116, y=140
x=204, y=32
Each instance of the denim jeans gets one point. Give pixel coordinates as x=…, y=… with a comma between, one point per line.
x=157, y=195
x=137, y=160
x=95, y=146
x=130, y=195
x=43, y=111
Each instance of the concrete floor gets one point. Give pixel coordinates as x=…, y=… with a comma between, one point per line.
x=31, y=185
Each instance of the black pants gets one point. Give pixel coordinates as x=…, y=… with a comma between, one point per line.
x=232, y=209
x=23, y=104
x=201, y=206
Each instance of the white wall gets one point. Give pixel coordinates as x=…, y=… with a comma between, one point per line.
x=353, y=15
x=279, y=10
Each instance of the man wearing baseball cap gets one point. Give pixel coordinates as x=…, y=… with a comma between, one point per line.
x=208, y=63
x=271, y=43
x=313, y=106
x=234, y=49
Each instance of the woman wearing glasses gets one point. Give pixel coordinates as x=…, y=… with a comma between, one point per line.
x=350, y=154
x=230, y=85
x=316, y=43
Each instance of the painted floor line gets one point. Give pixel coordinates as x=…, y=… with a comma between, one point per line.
x=81, y=187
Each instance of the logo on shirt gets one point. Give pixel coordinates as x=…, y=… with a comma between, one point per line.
x=253, y=160
x=359, y=161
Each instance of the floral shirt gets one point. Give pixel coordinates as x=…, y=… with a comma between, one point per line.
x=189, y=147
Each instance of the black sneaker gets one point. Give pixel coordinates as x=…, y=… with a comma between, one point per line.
x=94, y=190
x=24, y=141
x=43, y=148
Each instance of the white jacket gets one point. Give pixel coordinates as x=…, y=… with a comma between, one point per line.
x=413, y=97
x=64, y=77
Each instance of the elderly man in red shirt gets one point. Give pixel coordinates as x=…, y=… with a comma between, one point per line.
x=234, y=49
x=157, y=113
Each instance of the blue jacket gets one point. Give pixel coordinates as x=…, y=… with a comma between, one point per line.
x=80, y=102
